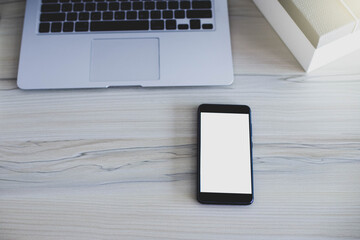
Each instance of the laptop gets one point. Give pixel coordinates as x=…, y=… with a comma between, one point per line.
x=110, y=43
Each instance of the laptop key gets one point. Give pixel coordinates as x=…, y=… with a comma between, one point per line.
x=143, y=15
x=95, y=15
x=71, y=16
x=82, y=26
x=155, y=14
x=149, y=5
x=171, y=24
x=173, y=5
x=68, y=27
x=185, y=4
x=157, y=25
x=131, y=15
x=51, y=17
x=168, y=14
x=119, y=25
x=183, y=26
x=126, y=6
x=101, y=7
x=161, y=5
x=108, y=15
x=179, y=14
x=56, y=27
x=84, y=16
x=67, y=7
x=50, y=8
x=207, y=26
x=201, y=4
x=137, y=5
x=119, y=15
x=79, y=7
x=195, y=24
x=199, y=14
x=90, y=7
x=44, y=27
x=114, y=6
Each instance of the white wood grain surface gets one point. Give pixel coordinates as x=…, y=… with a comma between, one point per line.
x=120, y=163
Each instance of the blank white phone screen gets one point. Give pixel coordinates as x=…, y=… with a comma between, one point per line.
x=225, y=160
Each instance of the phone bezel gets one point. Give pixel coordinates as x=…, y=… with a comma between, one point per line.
x=223, y=198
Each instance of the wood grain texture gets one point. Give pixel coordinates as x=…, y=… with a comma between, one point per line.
x=11, y=22
x=120, y=163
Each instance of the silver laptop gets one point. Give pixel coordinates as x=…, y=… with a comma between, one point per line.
x=108, y=43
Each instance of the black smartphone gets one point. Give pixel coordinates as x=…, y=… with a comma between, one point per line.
x=225, y=174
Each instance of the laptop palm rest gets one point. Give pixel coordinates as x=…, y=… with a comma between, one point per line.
x=131, y=59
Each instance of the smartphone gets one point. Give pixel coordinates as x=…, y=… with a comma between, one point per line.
x=225, y=174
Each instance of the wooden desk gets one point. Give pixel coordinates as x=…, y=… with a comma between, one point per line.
x=120, y=163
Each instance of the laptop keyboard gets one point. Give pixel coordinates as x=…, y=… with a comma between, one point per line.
x=72, y=16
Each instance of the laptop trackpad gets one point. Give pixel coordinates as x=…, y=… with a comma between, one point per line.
x=128, y=59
